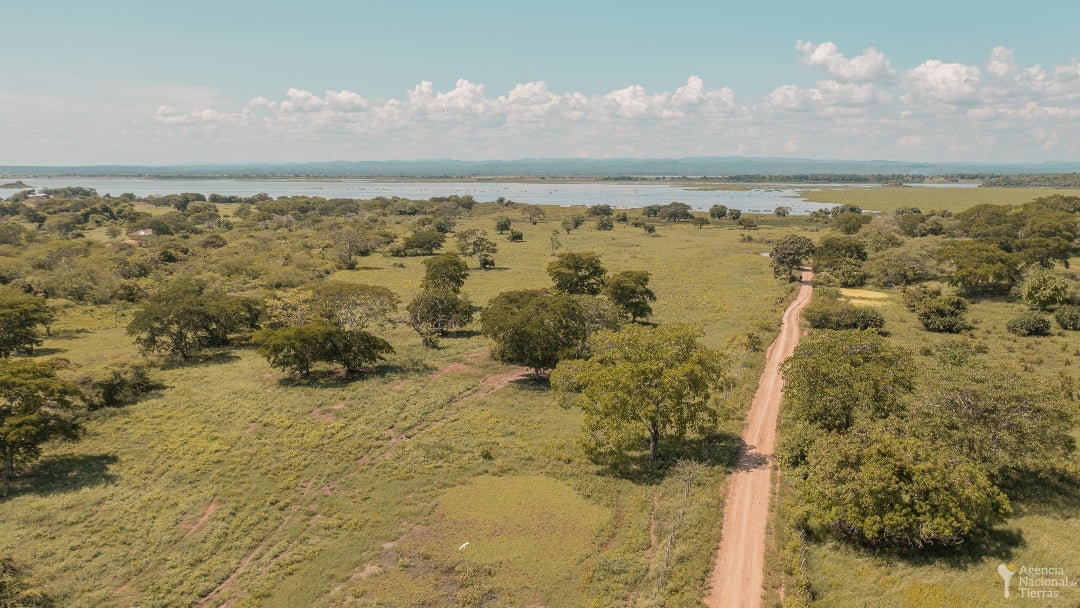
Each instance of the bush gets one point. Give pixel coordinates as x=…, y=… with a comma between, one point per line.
x=1068, y=317
x=1045, y=288
x=943, y=314
x=123, y=386
x=605, y=223
x=838, y=314
x=516, y=236
x=1029, y=324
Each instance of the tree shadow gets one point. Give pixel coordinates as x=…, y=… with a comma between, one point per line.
x=533, y=382
x=997, y=543
x=408, y=365
x=462, y=333
x=212, y=358
x=719, y=449
x=60, y=474
x=1053, y=494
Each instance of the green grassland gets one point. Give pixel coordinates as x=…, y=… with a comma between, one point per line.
x=889, y=198
x=1044, y=530
x=234, y=485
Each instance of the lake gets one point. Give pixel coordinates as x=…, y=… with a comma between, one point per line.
x=633, y=195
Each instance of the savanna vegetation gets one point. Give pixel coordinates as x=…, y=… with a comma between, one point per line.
x=215, y=400
x=929, y=426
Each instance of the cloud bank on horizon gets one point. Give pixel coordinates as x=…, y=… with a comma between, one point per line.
x=863, y=107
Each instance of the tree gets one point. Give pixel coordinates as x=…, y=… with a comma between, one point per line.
x=997, y=225
x=650, y=211
x=350, y=306
x=516, y=236
x=789, y=253
x=184, y=317
x=577, y=273
x=297, y=348
x=1044, y=288
x=837, y=378
x=36, y=406
x=1048, y=237
x=898, y=267
x=850, y=223
x=21, y=315
x=600, y=211
x=642, y=382
x=538, y=329
x=718, y=212
x=734, y=214
x=423, y=241
x=980, y=268
x=447, y=271
x=502, y=224
x=782, y=211
x=434, y=312
x=475, y=242
x=880, y=488
x=833, y=250
x=629, y=290
x=674, y=212
x=534, y=214
x=1006, y=424
x=605, y=223
x=943, y=314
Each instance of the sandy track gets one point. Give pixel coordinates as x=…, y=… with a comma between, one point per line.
x=738, y=574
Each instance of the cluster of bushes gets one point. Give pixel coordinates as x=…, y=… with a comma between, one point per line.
x=830, y=311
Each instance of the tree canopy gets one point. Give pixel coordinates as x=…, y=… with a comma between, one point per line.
x=642, y=383
x=629, y=290
x=577, y=273
x=446, y=271
x=297, y=348
x=21, y=316
x=36, y=406
x=538, y=329
x=789, y=253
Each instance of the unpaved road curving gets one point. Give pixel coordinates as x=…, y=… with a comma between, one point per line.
x=737, y=577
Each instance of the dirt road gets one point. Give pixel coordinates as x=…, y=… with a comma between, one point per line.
x=737, y=577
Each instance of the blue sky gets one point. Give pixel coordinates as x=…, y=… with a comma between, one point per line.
x=124, y=81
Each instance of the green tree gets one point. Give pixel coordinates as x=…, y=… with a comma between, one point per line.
x=533, y=213
x=1048, y=237
x=1009, y=426
x=850, y=223
x=435, y=312
x=789, y=253
x=642, y=383
x=997, y=225
x=423, y=241
x=446, y=271
x=838, y=314
x=502, y=224
x=882, y=489
x=577, y=273
x=782, y=211
x=297, y=348
x=184, y=317
x=898, y=267
x=21, y=315
x=837, y=378
x=718, y=212
x=36, y=406
x=980, y=268
x=600, y=211
x=629, y=290
x=1045, y=288
x=474, y=242
x=538, y=329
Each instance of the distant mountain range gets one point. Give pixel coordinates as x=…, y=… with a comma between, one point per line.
x=549, y=167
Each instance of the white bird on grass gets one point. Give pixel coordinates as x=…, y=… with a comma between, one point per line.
x=463, y=546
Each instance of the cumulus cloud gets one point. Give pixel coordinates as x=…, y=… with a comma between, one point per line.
x=935, y=80
x=862, y=108
x=869, y=66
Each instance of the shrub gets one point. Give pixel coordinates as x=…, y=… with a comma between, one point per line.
x=1068, y=317
x=838, y=314
x=516, y=236
x=1045, y=288
x=122, y=386
x=943, y=314
x=1029, y=324
x=605, y=223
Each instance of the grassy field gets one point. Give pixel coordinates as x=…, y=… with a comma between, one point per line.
x=235, y=486
x=889, y=198
x=1045, y=530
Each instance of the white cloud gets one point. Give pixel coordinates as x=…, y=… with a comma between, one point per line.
x=934, y=80
x=869, y=66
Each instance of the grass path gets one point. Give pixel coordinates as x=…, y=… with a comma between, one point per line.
x=738, y=573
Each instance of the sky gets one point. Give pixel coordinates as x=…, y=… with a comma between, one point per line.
x=155, y=82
